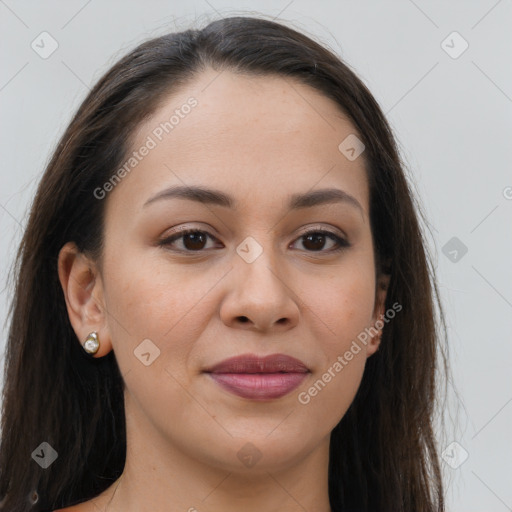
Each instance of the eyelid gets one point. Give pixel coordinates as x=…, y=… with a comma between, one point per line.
x=320, y=227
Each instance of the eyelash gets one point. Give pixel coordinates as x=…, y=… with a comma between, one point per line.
x=343, y=244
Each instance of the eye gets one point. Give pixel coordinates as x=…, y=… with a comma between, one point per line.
x=192, y=240
x=195, y=240
x=316, y=239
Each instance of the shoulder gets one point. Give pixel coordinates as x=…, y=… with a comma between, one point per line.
x=81, y=507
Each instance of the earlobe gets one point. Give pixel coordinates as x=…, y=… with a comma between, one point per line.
x=82, y=288
x=374, y=344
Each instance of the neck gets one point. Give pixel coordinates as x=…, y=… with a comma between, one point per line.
x=160, y=476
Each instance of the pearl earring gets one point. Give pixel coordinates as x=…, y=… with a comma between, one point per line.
x=92, y=343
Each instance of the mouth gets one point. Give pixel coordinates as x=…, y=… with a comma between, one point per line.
x=259, y=378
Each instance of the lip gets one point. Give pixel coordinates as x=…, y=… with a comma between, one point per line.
x=259, y=378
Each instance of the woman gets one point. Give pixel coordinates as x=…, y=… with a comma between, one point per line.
x=223, y=297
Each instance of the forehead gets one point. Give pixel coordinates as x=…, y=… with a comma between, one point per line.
x=247, y=135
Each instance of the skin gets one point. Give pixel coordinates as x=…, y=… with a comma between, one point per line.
x=258, y=139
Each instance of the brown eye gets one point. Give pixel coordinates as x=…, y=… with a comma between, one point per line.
x=315, y=241
x=192, y=240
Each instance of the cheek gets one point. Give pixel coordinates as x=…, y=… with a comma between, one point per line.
x=145, y=302
x=149, y=298
x=341, y=305
x=345, y=307
x=350, y=311
x=327, y=398
x=149, y=295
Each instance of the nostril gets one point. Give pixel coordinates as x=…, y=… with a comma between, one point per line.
x=243, y=319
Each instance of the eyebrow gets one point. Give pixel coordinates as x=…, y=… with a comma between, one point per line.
x=216, y=197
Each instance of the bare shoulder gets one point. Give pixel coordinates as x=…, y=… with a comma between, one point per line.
x=86, y=506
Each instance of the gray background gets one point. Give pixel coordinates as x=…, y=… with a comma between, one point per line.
x=452, y=117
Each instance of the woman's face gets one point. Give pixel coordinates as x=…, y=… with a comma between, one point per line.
x=249, y=282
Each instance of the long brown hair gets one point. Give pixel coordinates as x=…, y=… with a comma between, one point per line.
x=383, y=453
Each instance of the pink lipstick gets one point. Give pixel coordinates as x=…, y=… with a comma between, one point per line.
x=259, y=378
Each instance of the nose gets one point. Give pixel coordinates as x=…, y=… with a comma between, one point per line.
x=260, y=297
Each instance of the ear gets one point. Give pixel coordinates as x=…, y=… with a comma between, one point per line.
x=381, y=291
x=83, y=290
